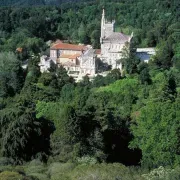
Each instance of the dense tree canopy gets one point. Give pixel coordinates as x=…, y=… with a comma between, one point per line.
x=11, y=75
x=130, y=117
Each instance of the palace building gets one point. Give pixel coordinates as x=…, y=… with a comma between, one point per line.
x=81, y=60
x=112, y=43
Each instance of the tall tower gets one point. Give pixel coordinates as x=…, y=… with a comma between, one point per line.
x=107, y=28
x=102, y=26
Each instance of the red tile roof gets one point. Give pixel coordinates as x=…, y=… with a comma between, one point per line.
x=19, y=49
x=65, y=46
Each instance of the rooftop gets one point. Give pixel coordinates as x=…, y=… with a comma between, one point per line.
x=65, y=46
x=118, y=37
x=150, y=49
x=89, y=53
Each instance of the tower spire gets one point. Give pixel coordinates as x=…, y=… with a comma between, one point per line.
x=102, y=25
x=103, y=13
x=103, y=18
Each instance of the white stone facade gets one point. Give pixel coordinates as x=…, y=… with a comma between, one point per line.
x=80, y=60
x=77, y=63
x=45, y=63
x=112, y=43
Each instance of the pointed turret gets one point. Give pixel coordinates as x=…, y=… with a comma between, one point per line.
x=103, y=13
x=131, y=36
x=102, y=25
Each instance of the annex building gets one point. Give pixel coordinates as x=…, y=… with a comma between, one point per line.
x=78, y=60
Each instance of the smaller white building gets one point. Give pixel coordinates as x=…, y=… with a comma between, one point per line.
x=45, y=63
x=145, y=53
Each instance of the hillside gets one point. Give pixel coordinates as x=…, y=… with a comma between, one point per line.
x=120, y=126
x=21, y=2
x=17, y=3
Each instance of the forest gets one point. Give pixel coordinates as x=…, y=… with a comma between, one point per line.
x=37, y=2
x=119, y=127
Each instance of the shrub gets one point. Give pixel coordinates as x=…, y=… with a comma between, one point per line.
x=162, y=173
x=35, y=162
x=174, y=174
x=7, y=175
x=39, y=176
x=36, y=169
x=57, y=170
x=104, y=171
x=87, y=160
x=5, y=161
x=6, y=168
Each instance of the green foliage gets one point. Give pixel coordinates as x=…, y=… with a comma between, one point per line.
x=11, y=75
x=86, y=160
x=22, y=135
x=59, y=114
x=92, y=121
x=47, y=79
x=35, y=166
x=123, y=86
x=176, y=58
x=5, y=161
x=82, y=34
x=162, y=173
x=60, y=170
x=62, y=77
x=129, y=59
x=14, y=175
x=156, y=133
x=164, y=86
x=103, y=171
x=37, y=170
x=94, y=36
x=163, y=58
x=10, y=176
x=111, y=77
x=144, y=75
x=98, y=81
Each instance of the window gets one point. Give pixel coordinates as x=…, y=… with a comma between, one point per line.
x=59, y=53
